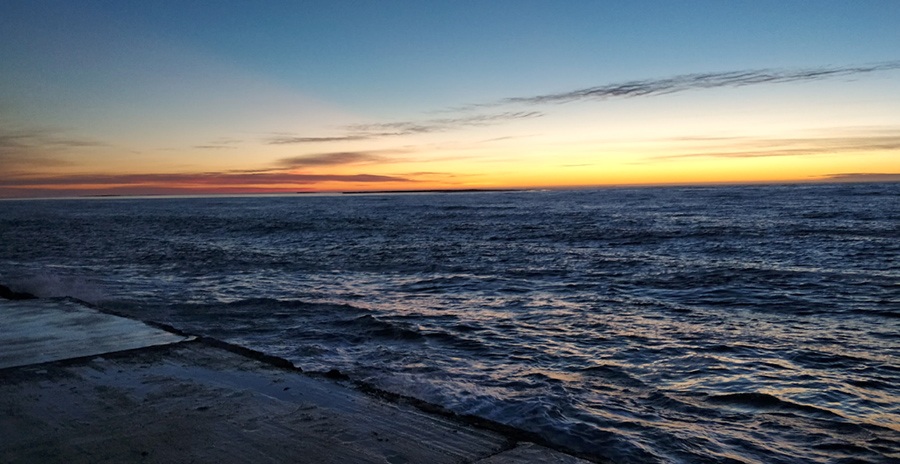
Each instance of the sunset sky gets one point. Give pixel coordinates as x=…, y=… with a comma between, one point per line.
x=176, y=97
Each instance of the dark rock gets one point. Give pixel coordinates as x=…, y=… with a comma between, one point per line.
x=7, y=293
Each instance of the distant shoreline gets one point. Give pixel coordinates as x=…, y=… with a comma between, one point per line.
x=364, y=192
x=203, y=194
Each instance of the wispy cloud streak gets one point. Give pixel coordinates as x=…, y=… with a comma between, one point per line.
x=15, y=140
x=219, y=144
x=685, y=82
x=443, y=124
x=629, y=89
x=288, y=139
x=205, y=179
x=863, y=177
x=335, y=158
x=37, y=147
x=369, y=131
x=761, y=148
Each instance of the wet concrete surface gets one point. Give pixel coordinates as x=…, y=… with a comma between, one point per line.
x=180, y=399
x=37, y=331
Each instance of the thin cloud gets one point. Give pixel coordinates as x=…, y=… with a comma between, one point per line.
x=202, y=179
x=20, y=140
x=628, y=89
x=356, y=132
x=19, y=160
x=219, y=144
x=126, y=190
x=350, y=158
x=506, y=137
x=760, y=148
x=431, y=173
x=685, y=82
x=287, y=140
x=863, y=177
x=443, y=124
x=29, y=148
x=334, y=159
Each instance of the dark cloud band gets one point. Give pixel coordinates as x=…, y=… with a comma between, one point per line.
x=652, y=87
x=334, y=159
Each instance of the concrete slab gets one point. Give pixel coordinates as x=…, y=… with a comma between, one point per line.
x=38, y=331
x=528, y=453
x=194, y=403
x=81, y=386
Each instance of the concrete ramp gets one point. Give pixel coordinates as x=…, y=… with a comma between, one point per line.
x=40, y=331
x=199, y=401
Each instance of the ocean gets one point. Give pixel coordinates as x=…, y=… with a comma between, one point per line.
x=733, y=324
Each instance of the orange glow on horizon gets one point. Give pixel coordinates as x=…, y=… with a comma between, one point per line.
x=515, y=164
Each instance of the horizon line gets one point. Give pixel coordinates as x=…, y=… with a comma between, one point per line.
x=288, y=193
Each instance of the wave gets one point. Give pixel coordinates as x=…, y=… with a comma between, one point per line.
x=615, y=374
x=51, y=283
x=268, y=307
x=368, y=326
x=598, y=317
x=885, y=313
x=765, y=402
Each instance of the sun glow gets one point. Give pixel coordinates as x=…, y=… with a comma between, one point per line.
x=171, y=110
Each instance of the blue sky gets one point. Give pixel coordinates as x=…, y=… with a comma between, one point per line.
x=138, y=79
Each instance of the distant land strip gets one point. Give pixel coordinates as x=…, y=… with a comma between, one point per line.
x=363, y=192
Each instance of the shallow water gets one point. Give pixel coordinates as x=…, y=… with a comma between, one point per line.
x=699, y=324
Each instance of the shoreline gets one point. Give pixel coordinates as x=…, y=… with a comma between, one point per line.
x=392, y=192
x=129, y=375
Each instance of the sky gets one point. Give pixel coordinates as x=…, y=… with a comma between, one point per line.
x=174, y=97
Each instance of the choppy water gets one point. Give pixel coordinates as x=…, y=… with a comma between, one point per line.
x=705, y=324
